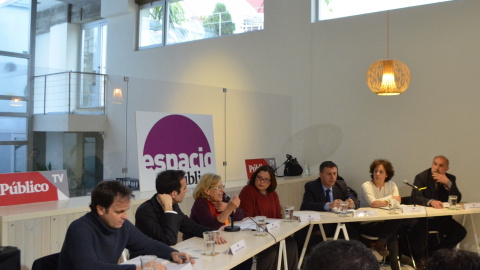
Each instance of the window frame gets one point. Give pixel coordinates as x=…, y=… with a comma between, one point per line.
x=144, y=4
x=316, y=8
x=30, y=56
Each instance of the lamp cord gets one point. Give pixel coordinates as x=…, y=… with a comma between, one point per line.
x=388, y=34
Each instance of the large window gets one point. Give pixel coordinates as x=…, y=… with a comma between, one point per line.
x=15, y=23
x=171, y=21
x=332, y=9
x=94, y=51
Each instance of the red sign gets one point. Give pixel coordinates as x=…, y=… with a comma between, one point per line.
x=30, y=187
x=254, y=164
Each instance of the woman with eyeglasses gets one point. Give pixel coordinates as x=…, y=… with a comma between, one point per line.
x=259, y=198
x=211, y=208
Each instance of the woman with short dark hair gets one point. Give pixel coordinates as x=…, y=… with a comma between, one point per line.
x=376, y=193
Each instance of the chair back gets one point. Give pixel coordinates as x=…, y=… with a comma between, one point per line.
x=47, y=262
x=407, y=200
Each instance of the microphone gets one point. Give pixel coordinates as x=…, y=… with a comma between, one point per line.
x=232, y=227
x=410, y=185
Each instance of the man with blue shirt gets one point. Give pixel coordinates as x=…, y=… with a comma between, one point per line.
x=324, y=194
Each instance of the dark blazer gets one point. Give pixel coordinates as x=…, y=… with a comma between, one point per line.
x=314, y=196
x=425, y=179
x=152, y=220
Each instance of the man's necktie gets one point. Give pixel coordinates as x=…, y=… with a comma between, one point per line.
x=327, y=195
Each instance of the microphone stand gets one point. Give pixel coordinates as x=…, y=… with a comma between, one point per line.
x=424, y=204
x=232, y=227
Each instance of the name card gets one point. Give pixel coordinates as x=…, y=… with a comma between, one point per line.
x=414, y=209
x=471, y=205
x=237, y=247
x=309, y=217
x=365, y=213
x=273, y=226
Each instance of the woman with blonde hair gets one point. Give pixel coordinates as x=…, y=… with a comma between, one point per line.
x=211, y=208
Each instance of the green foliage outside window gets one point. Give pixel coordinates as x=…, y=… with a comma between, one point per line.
x=220, y=21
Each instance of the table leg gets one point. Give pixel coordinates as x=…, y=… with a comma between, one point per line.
x=341, y=226
x=474, y=233
x=304, y=249
x=282, y=251
x=322, y=231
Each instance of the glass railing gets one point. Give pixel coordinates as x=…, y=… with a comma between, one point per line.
x=70, y=92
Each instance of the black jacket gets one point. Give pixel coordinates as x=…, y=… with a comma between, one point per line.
x=314, y=196
x=151, y=219
x=425, y=179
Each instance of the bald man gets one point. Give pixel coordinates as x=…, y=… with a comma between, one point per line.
x=438, y=185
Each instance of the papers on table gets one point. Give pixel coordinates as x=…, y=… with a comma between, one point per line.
x=399, y=206
x=249, y=225
x=170, y=265
x=414, y=209
x=365, y=212
x=311, y=216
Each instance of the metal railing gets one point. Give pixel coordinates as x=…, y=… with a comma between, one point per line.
x=70, y=92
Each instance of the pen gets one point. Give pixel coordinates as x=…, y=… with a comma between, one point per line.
x=184, y=258
x=351, y=196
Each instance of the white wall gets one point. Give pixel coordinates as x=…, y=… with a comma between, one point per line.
x=322, y=67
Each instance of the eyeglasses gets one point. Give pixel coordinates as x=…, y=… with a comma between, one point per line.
x=218, y=187
x=261, y=179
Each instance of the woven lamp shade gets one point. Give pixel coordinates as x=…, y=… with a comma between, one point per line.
x=388, y=77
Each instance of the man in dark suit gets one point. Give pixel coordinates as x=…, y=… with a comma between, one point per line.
x=161, y=217
x=315, y=197
x=436, y=185
x=324, y=194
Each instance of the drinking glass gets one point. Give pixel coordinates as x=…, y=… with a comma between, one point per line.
x=261, y=224
x=392, y=205
x=148, y=262
x=209, y=242
x=452, y=199
x=289, y=213
x=343, y=208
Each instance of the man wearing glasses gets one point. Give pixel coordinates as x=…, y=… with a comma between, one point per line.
x=161, y=217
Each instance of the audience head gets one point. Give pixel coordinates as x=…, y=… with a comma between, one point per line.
x=448, y=259
x=341, y=255
x=377, y=164
x=264, y=179
x=209, y=187
x=172, y=182
x=111, y=200
x=328, y=173
x=440, y=164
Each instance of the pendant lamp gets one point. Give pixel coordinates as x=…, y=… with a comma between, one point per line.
x=388, y=77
